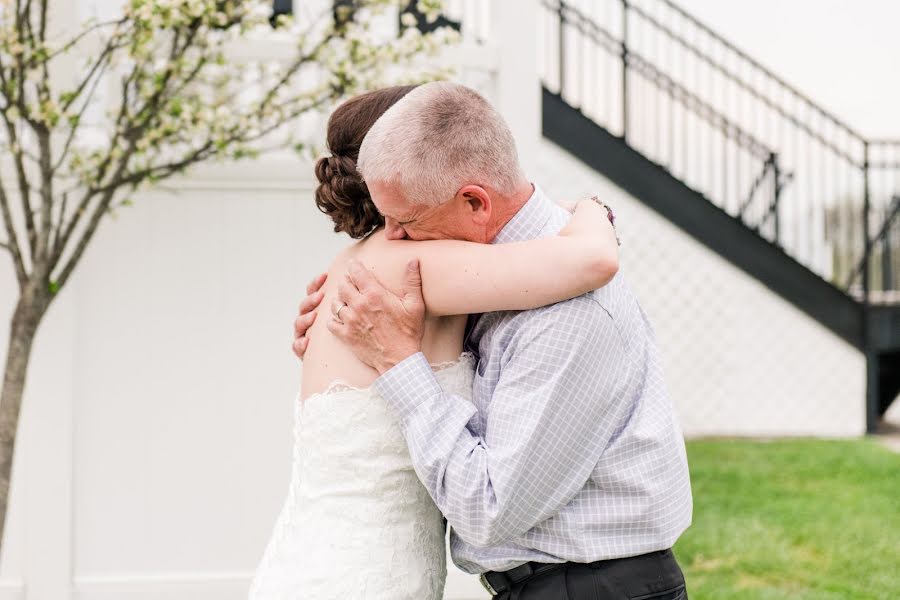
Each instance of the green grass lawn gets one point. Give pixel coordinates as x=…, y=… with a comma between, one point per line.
x=798, y=519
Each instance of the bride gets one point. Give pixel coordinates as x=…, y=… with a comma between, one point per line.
x=356, y=522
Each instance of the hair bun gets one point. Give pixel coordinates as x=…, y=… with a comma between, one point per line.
x=343, y=196
x=339, y=166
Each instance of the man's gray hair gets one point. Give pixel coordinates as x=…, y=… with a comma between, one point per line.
x=438, y=138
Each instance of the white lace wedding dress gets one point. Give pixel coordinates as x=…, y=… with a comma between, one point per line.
x=356, y=523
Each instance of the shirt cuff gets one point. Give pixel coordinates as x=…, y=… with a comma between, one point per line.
x=408, y=384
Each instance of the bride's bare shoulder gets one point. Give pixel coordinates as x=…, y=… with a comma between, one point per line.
x=355, y=250
x=374, y=251
x=340, y=261
x=386, y=259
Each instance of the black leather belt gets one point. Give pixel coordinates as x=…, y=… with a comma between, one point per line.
x=654, y=567
x=496, y=582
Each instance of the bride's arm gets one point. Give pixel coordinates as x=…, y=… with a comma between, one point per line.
x=466, y=277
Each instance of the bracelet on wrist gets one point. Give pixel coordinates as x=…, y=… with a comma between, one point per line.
x=610, y=215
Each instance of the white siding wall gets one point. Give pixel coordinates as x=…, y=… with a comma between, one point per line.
x=154, y=451
x=155, y=439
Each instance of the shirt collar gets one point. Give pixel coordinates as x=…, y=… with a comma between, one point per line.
x=529, y=221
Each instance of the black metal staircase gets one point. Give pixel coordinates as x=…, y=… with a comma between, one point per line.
x=667, y=109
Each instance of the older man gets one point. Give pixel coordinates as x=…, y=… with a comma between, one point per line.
x=566, y=476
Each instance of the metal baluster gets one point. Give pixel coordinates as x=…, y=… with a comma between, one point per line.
x=657, y=93
x=738, y=186
x=671, y=63
x=562, y=48
x=609, y=62
x=684, y=108
x=578, y=60
x=893, y=196
x=712, y=130
x=636, y=125
x=726, y=84
x=625, y=9
x=887, y=270
x=798, y=207
x=865, y=227
x=590, y=72
x=776, y=193
x=811, y=194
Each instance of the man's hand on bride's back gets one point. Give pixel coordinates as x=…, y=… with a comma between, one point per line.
x=382, y=328
x=307, y=314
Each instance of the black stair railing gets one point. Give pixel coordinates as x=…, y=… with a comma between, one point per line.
x=883, y=253
x=881, y=262
x=732, y=130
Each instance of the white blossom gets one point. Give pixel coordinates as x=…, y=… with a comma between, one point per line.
x=408, y=20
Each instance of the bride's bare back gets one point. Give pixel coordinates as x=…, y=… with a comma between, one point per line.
x=329, y=361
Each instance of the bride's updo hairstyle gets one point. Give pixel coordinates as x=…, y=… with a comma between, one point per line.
x=342, y=194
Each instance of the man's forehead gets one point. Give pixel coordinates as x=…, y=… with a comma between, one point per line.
x=390, y=203
x=395, y=209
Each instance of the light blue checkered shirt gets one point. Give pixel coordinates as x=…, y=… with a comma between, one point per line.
x=569, y=449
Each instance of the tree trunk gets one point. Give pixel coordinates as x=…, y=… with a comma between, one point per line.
x=27, y=316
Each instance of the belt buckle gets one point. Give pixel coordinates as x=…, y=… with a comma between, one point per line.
x=487, y=585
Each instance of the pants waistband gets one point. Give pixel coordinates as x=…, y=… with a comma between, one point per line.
x=640, y=566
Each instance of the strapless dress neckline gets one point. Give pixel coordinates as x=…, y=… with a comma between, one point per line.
x=465, y=359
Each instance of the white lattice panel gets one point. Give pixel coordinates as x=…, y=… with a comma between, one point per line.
x=739, y=359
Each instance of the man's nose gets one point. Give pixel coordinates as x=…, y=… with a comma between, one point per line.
x=393, y=231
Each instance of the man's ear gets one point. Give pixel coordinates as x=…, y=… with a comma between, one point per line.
x=478, y=202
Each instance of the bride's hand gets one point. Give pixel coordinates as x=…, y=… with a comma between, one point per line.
x=591, y=217
x=307, y=314
x=569, y=205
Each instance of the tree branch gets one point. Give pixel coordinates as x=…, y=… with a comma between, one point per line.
x=207, y=150
x=91, y=227
x=77, y=124
x=19, y=65
x=144, y=119
x=74, y=41
x=120, y=180
x=89, y=193
x=58, y=228
x=42, y=29
x=24, y=186
x=122, y=124
x=149, y=110
x=46, y=193
x=26, y=22
x=101, y=62
x=4, y=84
x=42, y=129
x=12, y=243
x=295, y=66
x=134, y=132
x=62, y=240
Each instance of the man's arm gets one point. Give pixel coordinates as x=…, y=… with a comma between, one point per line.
x=558, y=403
